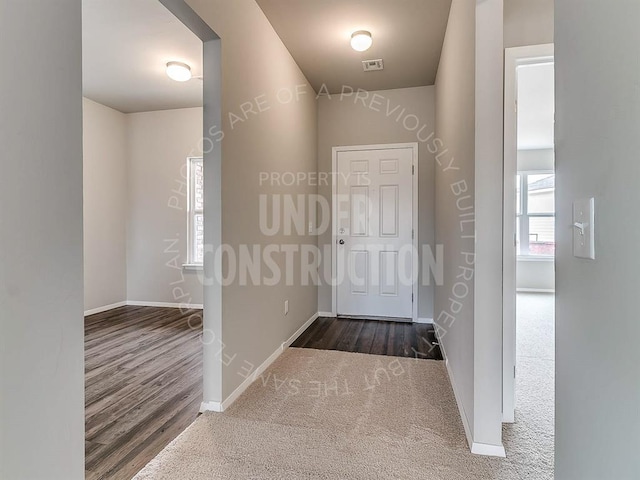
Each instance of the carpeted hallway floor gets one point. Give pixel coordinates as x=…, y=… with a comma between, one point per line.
x=319, y=414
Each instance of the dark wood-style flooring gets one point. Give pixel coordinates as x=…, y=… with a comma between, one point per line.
x=143, y=385
x=371, y=336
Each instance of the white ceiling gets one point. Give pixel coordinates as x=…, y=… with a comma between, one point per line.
x=535, y=107
x=407, y=34
x=126, y=46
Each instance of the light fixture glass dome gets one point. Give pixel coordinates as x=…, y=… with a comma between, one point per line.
x=178, y=71
x=361, y=40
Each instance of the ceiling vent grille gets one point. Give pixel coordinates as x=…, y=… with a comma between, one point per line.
x=373, y=65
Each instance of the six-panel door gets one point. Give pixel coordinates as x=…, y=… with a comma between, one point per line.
x=374, y=251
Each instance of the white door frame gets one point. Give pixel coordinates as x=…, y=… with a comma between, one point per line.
x=514, y=57
x=414, y=216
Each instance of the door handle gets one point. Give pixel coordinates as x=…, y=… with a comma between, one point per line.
x=341, y=241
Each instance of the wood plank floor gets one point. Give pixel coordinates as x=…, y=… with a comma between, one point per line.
x=143, y=385
x=371, y=336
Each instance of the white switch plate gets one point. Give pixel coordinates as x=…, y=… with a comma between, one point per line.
x=583, y=228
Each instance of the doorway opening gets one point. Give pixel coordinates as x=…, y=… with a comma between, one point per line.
x=151, y=169
x=529, y=242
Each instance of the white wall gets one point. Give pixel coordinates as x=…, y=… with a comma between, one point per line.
x=535, y=275
x=256, y=65
x=341, y=121
x=537, y=159
x=41, y=294
x=105, y=205
x=489, y=132
x=469, y=126
x=528, y=22
x=158, y=146
x=597, y=330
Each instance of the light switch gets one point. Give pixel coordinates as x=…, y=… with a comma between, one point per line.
x=583, y=228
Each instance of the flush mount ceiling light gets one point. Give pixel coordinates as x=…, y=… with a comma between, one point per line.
x=178, y=71
x=361, y=40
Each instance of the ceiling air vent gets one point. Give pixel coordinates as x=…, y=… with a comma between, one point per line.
x=372, y=65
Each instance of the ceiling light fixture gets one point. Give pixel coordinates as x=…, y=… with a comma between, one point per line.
x=361, y=40
x=178, y=71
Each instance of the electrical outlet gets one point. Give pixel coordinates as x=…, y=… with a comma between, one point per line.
x=286, y=307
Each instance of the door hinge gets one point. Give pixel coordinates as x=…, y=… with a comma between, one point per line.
x=412, y=234
x=412, y=298
x=413, y=169
x=514, y=371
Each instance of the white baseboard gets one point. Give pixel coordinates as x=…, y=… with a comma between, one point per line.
x=226, y=403
x=105, y=308
x=300, y=331
x=488, y=450
x=535, y=290
x=135, y=303
x=326, y=314
x=476, y=448
x=508, y=418
x=184, y=306
x=463, y=414
x=427, y=321
x=210, y=407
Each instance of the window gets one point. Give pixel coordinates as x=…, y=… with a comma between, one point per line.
x=195, y=210
x=535, y=229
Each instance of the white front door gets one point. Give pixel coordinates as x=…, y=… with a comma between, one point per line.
x=373, y=230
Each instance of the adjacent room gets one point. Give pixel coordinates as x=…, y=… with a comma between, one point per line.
x=143, y=232
x=529, y=250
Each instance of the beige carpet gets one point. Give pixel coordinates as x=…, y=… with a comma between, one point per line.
x=333, y=415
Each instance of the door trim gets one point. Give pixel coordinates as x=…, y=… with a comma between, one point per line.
x=414, y=216
x=514, y=57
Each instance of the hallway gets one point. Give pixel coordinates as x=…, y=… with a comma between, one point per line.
x=329, y=414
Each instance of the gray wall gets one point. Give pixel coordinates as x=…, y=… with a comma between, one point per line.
x=105, y=205
x=345, y=121
x=597, y=145
x=135, y=231
x=528, y=22
x=158, y=146
x=455, y=128
x=283, y=138
x=41, y=293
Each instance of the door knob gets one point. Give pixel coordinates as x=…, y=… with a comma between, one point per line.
x=341, y=242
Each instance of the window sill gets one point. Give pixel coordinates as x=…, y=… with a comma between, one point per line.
x=532, y=258
x=192, y=267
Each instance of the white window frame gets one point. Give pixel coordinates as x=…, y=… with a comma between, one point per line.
x=524, y=215
x=192, y=262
